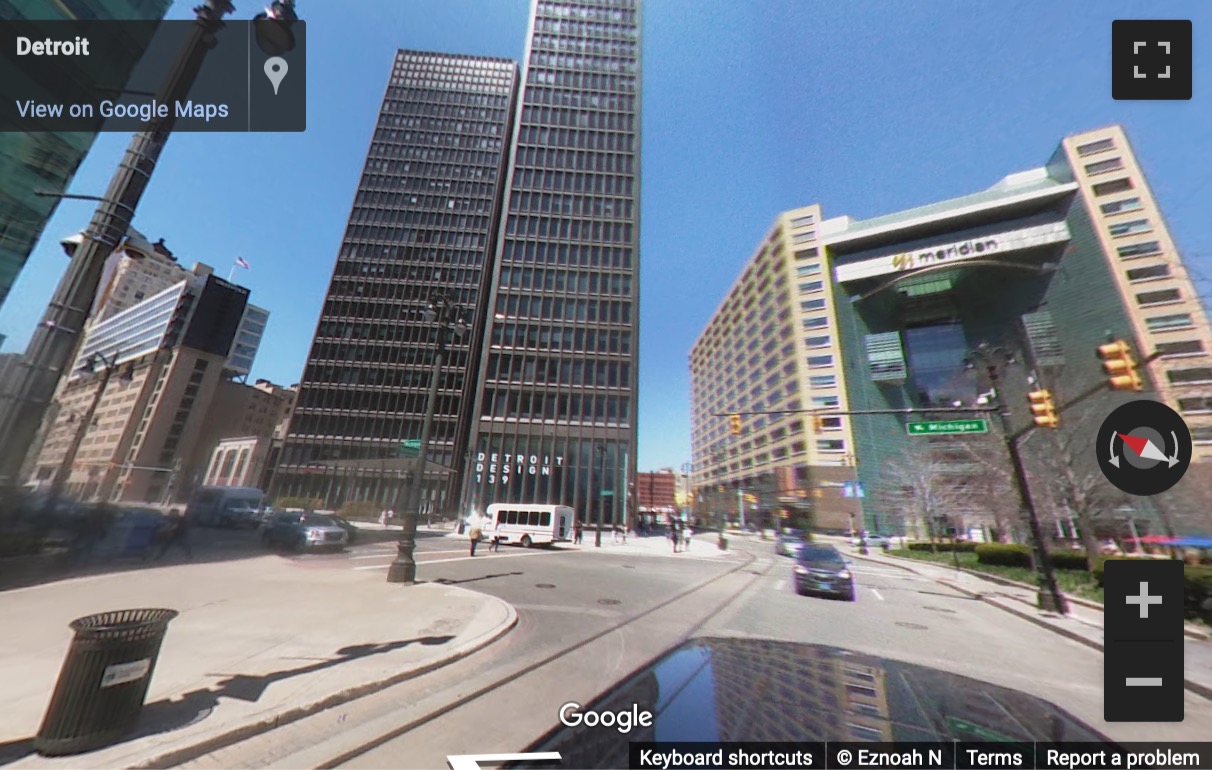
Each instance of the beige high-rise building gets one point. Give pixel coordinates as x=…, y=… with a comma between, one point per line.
x=886, y=318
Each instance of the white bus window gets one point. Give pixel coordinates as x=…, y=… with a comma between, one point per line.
x=546, y=520
x=532, y=518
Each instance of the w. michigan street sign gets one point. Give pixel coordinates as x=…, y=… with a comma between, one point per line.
x=944, y=427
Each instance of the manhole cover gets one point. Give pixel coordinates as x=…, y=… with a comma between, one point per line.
x=914, y=626
x=609, y=602
x=544, y=585
x=939, y=609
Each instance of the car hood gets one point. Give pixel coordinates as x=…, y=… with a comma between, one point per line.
x=713, y=690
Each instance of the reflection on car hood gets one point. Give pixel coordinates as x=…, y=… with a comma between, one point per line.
x=765, y=690
x=323, y=528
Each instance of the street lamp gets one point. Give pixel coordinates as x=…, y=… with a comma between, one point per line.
x=600, y=450
x=63, y=472
x=994, y=360
x=453, y=322
x=54, y=342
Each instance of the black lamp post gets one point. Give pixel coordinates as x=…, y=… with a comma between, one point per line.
x=600, y=450
x=452, y=320
x=63, y=472
x=53, y=345
x=994, y=360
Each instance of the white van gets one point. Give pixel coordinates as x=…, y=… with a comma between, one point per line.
x=528, y=524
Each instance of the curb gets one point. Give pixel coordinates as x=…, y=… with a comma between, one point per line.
x=1195, y=687
x=174, y=757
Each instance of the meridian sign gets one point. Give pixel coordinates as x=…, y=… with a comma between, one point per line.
x=945, y=427
x=957, y=251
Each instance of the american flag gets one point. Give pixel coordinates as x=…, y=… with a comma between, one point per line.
x=242, y=262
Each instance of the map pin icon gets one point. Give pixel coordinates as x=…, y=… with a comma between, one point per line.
x=275, y=70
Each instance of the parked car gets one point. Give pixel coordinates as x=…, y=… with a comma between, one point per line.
x=304, y=532
x=820, y=569
x=788, y=543
x=873, y=541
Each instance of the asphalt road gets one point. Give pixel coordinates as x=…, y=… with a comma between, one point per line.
x=588, y=619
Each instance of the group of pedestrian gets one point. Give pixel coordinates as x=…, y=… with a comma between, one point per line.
x=476, y=534
x=680, y=533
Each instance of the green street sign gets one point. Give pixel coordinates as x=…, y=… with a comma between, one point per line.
x=947, y=427
x=410, y=447
x=607, y=492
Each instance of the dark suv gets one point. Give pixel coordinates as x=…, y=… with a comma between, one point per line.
x=820, y=569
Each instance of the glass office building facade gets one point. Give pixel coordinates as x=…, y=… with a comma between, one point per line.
x=425, y=220
x=47, y=161
x=555, y=418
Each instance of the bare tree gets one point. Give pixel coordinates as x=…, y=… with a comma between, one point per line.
x=920, y=488
x=992, y=485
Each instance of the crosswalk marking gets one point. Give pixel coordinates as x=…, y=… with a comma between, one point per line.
x=457, y=558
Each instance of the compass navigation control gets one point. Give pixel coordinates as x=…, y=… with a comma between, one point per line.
x=1144, y=447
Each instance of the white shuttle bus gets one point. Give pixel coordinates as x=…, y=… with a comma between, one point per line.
x=528, y=524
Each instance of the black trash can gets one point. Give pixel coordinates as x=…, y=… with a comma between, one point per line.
x=103, y=681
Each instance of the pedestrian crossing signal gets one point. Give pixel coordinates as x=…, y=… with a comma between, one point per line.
x=1120, y=366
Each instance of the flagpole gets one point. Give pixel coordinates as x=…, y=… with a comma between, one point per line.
x=230, y=273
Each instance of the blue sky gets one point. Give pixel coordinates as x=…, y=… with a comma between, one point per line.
x=749, y=109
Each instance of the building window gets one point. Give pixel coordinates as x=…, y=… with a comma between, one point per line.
x=1167, y=322
x=1189, y=376
x=831, y=423
x=1121, y=206
x=804, y=237
x=817, y=342
x=819, y=362
x=1113, y=186
x=812, y=304
x=1129, y=228
x=810, y=287
x=825, y=402
x=803, y=221
x=1103, y=166
x=816, y=322
x=807, y=254
x=1093, y=148
x=831, y=445
x=1196, y=405
x=812, y=268
x=1147, y=298
x=1134, y=250
x=1146, y=273
x=823, y=381
x=1180, y=348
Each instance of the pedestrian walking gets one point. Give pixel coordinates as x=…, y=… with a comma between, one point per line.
x=178, y=535
x=495, y=544
x=686, y=533
x=476, y=534
x=615, y=533
x=674, y=535
x=577, y=533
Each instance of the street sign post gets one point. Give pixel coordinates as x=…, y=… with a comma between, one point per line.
x=946, y=427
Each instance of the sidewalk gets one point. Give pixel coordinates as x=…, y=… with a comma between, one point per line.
x=1083, y=624
x=702, y=546
x=259, y=642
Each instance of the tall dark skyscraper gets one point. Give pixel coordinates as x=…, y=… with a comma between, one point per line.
x=555, y=418
x=425, y=219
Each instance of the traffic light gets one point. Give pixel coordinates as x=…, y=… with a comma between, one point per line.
x=1043, y=408
x=1120, y=366
x=734, y=423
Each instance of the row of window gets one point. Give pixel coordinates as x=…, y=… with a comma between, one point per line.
x=408, y=99
x=589, y=47
x=566, y=281
x=375, y=401
x=551, y=309
x=579, y=100
x=414, y=376
x=360, y=426
x=442, y=155
x=1164, y=296
x=582, y=81
x=561, y=181
x=560, y=407
x=571, y=205
x=568, y=118
x=455, y=240
x=460, y=165
x=384, y=254
x=544, y=337
x=576, y=160
x=436, y=219
x=590, y=63
x=373, y=352
x=575, y=372
x=447, y=120
x=583, y=29
x=569, y=229
x=1133, y=227
x=579, y=139
x=570, y=254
